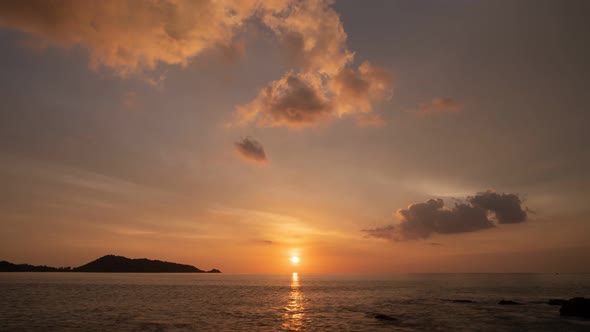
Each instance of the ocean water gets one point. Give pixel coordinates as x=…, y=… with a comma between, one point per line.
x=292, y=302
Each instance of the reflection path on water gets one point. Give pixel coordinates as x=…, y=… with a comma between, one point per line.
x=294, y=310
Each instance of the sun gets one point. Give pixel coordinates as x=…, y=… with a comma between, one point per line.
x=294, y=259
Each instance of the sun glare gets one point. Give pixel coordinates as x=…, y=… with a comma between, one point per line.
x=294, y=259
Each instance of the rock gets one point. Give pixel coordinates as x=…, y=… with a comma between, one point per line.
x=384, y=317
x=508, y=302
x=577, y=307
x=463, y=301
x=556, y=301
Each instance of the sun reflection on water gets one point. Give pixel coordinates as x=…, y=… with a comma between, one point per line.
x=294, y=311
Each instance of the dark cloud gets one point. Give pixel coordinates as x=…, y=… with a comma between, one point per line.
x=292, y=101
x=479, y=212
x=385, y=232
x=251, y=149
x=507, y=208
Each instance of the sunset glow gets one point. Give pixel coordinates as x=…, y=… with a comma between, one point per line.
x=294, y=165
x=312, y=135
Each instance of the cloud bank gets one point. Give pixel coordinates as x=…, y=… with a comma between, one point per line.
x=130, y=36
x=251, y=149
x=482, y=211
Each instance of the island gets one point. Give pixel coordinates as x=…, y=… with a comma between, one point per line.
x=111, y=264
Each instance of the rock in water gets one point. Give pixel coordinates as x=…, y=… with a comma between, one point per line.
x=384, y=317
x=508, y=302
x=577, y=307
x=556, y=302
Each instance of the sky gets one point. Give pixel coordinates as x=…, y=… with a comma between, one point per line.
x=361, y=136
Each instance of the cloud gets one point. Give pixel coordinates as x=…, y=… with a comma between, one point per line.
x=356, y=91
x=438, y=105
x=251, y=149
x=507, y=208
x=315, y=40
x=260, y=241
x=312, y=34
x=325, y=85
x=133, y=36
x=294, y=100
x=127, y=36
x=307, y=99
x=482, y=211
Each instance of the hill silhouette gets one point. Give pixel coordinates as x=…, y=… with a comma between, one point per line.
x=111, y=263
x=10, y=267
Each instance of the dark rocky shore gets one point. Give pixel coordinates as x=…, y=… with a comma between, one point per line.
x=575, y=307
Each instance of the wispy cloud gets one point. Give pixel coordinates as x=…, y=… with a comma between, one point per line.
x=265, y=242
x=370, y=120
x=437, y=106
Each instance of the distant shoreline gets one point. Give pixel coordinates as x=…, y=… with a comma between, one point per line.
x=111, y=264
x=144, y=272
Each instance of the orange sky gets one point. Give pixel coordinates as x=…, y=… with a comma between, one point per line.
x=373, y=137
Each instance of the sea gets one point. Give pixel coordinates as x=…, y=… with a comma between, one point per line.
x=289, y=302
